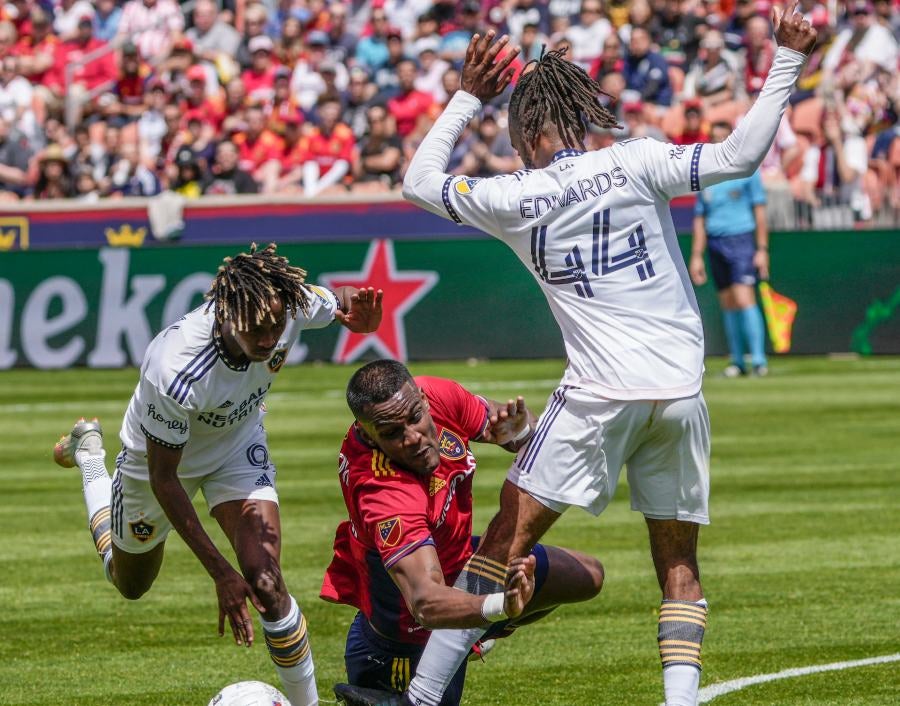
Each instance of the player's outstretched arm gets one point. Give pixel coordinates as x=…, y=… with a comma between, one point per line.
x=676, y=170
x=232, y=590
x=435, y=605
x=510, y=424
x=361, y=309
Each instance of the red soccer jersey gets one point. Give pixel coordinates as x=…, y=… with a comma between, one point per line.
x=254, y=153
x=406, y=109
x=328, y=149
x=393, y=512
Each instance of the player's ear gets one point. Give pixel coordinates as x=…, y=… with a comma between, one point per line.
x=364, y=435
x=424, y=399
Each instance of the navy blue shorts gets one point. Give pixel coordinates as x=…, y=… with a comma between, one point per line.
x=377, y=662
x=731, y=259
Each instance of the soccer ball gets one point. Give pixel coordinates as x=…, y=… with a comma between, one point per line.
x=249, y=693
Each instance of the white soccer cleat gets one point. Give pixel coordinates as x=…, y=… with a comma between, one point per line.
x=85, y=436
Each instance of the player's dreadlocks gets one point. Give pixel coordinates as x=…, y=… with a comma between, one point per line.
x=561, y=91
x=245, y=285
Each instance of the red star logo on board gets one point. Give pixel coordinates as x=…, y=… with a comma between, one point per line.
x=402, y=291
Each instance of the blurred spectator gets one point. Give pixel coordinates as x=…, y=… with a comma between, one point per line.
x=85, y=77
x=17, y=99
x=259, y=79
x=128, y=177
x=455, y=42
x=152, y=123
x=409, y=106
x=491, y=152
x=360, y=92
x=380, y=154
x=150, y=24
x=521, y=13
x=258, y=147
x=289, y=48
x=86, y=189
x=126, y=101
x=589, y=34
x=610, y=59
x=341, y=42
x=693, y=130
x=68, y=14
x=713, y=75
x=54, y=180
x=785, y=151
x=760, y=53
x=372, y=50
x=37, y=52
x=225, y=176
x=431, y=69
x=291, y=158
x=531, y=42
x=865, y=41
x=214, y=40
x=282, y=105
x=677, y=29
x=833, y=168
x=107, y=16
x=14, y=158
x=189, y=179
x=88, y=157
x=736, y=25
x=646, y=71
x=385, y=76
x=634, y=115
x=813, y=71
x=255, y=20
x=640, y=14
x=307, y=82
x=329, y=148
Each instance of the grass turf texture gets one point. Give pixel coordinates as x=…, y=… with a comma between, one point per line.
x=800, y=563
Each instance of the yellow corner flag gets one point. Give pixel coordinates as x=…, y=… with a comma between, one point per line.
x=780, y=312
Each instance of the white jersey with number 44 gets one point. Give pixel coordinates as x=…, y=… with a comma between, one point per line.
x=595, y=230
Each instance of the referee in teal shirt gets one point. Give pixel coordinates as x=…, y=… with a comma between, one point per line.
x=730, y=221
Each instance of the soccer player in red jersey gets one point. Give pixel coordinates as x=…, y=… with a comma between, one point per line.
x=406, y=471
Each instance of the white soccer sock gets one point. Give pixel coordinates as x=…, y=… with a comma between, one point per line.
x=289, y=648
x=681, y=682
x=445, y=651
x=97, y=487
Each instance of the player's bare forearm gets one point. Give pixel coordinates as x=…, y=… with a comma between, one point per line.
x=432, y=603
x=163, y=463
x=698, y=241
x=762, y=227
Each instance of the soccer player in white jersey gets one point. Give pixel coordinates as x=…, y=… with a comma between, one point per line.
x=595, y=230
x=195, y=423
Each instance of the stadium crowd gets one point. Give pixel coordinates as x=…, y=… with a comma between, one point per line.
x=106, y=98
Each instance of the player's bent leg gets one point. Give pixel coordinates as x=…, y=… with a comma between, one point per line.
x=134, y=574
x=572, y=577
x=253, y=527
x=682, y=615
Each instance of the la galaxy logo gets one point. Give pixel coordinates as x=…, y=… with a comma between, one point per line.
x=451, y=445
x=142, y=531
x=465, y=187
x=277, y=359
x=390, y=531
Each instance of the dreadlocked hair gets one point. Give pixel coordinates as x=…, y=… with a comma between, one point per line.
x=245, y=285
x=563, y=92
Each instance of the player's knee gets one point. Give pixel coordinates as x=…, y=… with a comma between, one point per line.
x=132, y=590
x=597, y=574
x=268, y=585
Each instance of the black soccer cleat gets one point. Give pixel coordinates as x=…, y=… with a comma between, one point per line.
x=360, y=696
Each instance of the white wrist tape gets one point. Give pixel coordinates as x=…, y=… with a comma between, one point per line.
x=493, y=609
x=522, y=434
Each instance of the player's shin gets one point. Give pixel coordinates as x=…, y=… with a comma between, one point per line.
x=446, y=649
x=288, y=645
x=97, y=486
x=681, y=628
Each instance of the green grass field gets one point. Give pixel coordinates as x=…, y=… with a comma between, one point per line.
x=801, y=564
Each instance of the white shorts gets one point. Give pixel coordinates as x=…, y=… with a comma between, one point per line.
x=138, y=521
x=583, y=440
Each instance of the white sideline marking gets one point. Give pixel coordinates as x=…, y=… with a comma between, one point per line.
x=709, y=693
